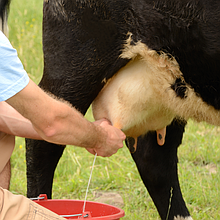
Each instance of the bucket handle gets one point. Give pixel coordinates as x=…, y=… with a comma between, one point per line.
x=40, y=197
x=84, y=215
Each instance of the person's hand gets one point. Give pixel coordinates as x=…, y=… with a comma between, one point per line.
x=111, y=143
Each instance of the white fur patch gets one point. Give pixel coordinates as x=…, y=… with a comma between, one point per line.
x=183, y=218
x=139, y=97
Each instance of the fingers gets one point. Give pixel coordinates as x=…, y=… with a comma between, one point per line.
x=91, y=151
x=101, y=152
x=102, y=121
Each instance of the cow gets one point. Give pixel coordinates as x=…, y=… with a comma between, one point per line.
x=88, y=43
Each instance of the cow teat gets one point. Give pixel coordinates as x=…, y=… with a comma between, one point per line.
x=161, y=134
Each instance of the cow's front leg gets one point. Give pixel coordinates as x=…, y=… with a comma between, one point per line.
x=158, y=169
x=42, y=158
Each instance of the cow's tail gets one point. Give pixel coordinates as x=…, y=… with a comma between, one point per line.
x=4, y=9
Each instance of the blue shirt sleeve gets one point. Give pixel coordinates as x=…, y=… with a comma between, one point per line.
x=13, y=77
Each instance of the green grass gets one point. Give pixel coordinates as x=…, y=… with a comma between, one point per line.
x=200, y=148
x=25, y=34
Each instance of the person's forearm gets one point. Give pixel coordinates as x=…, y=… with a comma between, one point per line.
x=56, y=121
x=11, y=122
x=68, y=126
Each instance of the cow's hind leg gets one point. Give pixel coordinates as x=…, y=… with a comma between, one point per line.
x=158, y=169
x=42, y=158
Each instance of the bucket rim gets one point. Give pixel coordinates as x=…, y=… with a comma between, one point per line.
x=121, y=213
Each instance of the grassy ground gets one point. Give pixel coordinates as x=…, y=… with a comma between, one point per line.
x=199, y=155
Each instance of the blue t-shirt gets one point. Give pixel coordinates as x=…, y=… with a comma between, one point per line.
x=13, y=77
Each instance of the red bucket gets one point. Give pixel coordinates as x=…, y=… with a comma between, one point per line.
x=72, y=209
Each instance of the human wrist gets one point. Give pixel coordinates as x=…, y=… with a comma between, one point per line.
x=99, y=135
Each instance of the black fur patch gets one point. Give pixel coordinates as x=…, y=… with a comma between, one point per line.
x=103, y=31
x=180, y=88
